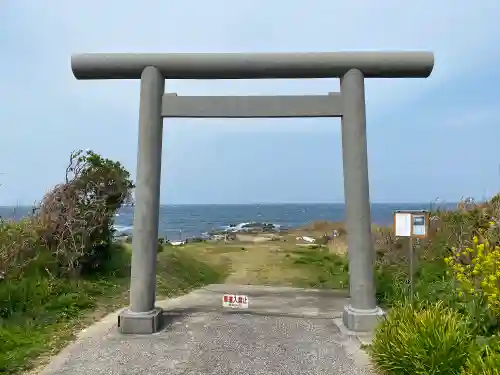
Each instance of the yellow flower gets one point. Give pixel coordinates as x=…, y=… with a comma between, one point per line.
x=475, y=240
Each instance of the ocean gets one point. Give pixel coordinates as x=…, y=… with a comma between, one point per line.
x=183, y=221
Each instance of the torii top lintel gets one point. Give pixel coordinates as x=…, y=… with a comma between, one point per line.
x=373, y=64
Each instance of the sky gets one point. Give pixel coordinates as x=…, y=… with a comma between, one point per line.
x=427, y=138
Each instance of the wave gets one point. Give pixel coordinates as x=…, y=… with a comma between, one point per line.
x=123, y=229
x=247, y=226
x=231, y=228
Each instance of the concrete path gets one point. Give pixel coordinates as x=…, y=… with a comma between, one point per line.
x=284, y=331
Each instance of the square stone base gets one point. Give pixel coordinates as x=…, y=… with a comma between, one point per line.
x=362, y=320
x=140, y=323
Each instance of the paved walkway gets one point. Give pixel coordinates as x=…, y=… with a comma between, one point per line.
x=284, y=331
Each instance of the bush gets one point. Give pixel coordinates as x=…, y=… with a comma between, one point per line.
x=484, y=358
x=20, y=244
x=458, y=274
x=431, y=282
x=70, y=232
x=477, y=271
x=39, y=314
x=77, y=216
x=427, y=339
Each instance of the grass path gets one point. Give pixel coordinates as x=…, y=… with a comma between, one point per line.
x=274, y=263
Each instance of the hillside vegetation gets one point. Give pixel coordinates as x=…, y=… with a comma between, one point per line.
x=61, y=269
x=451, y=325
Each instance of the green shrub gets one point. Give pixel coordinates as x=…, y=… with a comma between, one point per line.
x=77, y=216
x=20, y=244
x=484, y=358
x=430, y=339
x=391, y=284
x=456, y=296
x=39, y=313
x=477, y=271
x=431, y=283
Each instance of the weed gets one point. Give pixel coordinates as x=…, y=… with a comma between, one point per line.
x=430, y=339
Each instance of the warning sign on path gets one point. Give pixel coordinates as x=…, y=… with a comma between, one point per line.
x=235, y=301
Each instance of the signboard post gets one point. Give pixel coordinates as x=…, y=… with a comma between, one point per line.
x=411, y=224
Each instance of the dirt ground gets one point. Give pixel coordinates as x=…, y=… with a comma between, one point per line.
x=286, y=260
x=267, y=259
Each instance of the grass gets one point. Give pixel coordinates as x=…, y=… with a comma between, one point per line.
x=275, y=263
x=44, y=313
x=40, y=312
x=320, y=268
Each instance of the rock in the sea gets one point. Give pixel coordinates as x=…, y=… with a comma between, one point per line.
x=259, y=227
x=253, y=228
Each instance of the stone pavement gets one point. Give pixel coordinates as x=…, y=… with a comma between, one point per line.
x=284, y=331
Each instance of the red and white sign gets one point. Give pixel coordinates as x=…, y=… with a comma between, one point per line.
x=235, y=301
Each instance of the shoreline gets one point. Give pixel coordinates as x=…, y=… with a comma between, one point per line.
x=200, y=221
x=253, y=228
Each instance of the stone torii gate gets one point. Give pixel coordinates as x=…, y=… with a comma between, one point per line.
x=153, y=69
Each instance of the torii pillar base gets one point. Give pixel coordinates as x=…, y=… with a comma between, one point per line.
x=140, y=323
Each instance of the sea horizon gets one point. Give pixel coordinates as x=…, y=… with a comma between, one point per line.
x=435, y=202
x=192, y=220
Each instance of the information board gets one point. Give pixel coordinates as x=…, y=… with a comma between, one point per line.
x=411, y=223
